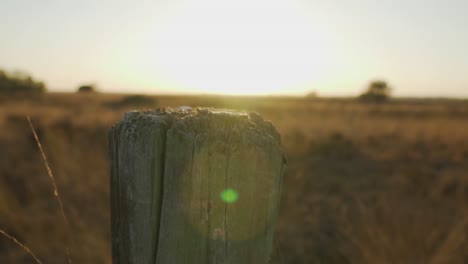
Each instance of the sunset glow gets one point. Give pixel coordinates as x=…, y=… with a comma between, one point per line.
x=236, y=47
x=287, y=47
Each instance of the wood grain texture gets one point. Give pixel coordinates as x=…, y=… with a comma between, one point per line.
x=169, y=169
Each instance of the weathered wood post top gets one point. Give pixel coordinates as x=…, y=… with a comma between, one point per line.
x=194, y=186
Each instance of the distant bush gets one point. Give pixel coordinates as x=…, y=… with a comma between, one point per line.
x=89, y=88
x=134, y=100
x=377, y=91
x=311, y=94
x=19, y=83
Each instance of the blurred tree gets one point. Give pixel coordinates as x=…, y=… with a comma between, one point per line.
x=377, y=91
x=19, y=82
x=89, y=88
x=311, y=94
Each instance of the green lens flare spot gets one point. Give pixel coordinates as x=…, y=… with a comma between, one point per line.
x=229, y=195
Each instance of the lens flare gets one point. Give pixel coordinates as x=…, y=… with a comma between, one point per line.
x=229, y=196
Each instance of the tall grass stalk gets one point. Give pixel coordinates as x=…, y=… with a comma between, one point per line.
x=54, y=184
x=21, y=245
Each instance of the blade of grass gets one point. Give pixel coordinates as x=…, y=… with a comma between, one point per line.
x=21, y=245
x=53, y=182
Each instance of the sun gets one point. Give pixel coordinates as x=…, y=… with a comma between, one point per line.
x=235, y=47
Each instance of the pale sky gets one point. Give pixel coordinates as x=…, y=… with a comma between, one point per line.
x=334, y=47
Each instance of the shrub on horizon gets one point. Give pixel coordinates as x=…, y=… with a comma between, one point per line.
x=88, y=88
x=20, y=83
x=377, y=91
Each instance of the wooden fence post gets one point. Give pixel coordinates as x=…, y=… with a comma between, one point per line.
x=198, y=186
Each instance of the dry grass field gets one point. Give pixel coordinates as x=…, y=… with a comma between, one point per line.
x=366, y=183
